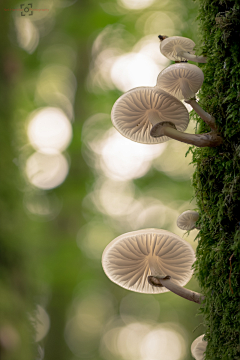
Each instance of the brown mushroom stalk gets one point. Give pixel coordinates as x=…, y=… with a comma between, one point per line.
x=195, y=58
x=184, y=86
x=211, y=139
x=153, y=117
x=178, y=48
x=207, y=118
x=165, y=280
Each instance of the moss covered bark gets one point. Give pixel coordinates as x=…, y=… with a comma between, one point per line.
x=217, y=180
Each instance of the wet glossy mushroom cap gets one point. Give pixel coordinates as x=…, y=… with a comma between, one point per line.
x=198, y=348
x=181, y=80
x=131, y=257
x=187, y=220
x=136, y=111
x=171, y=46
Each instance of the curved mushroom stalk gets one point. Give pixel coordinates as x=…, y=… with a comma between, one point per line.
x=211, y=139
x=184, y=86
x=165, y=280
x=195, y=58
x=153, y=117
x=179, y=48
x=207, y=118
x=186, y=55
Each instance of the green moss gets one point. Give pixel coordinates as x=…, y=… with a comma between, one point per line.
x=217, y=180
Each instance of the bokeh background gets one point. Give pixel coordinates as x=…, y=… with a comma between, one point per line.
x=71, y=183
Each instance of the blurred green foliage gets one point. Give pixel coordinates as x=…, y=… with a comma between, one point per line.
x=41, y=261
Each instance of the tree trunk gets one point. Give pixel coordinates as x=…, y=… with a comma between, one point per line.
x=217, y=180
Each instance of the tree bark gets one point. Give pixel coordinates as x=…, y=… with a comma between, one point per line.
x=216, y=181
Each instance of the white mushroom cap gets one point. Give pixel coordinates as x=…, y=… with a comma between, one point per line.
x=187, y=220
x=171, y=46
x=181, y=80
x=130, y=258
x=198, y=348
x=136, y=111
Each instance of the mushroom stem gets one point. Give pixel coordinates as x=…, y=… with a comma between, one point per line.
x=211, y=139
x=186, y=91
x=207, y=118
x=154, y=268
x=153, y=117
x=198, y=59
x=160, y=281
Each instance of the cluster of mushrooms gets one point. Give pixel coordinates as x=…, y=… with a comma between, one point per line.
x=151, y=115
x=154, y=261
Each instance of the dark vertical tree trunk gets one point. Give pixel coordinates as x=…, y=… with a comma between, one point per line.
x=217, y=180
x=16, y=281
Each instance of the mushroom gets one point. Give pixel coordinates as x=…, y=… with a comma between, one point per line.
x=138, y=110
x=151, y=115
x=198, y=348
x=150, y=261
x=187, y=220
x=181, y=80
x=178, y=48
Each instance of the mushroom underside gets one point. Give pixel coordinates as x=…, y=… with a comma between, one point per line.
x=132, y=258
x=135, y=112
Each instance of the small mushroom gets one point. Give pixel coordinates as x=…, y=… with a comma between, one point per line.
x=181, y=80
x=145, y=260
x=198, y=348
x=178, y=48
x=187, y=220
x=151, y=115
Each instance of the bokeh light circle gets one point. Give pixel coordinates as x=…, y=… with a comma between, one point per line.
x=49, y=128
x=133, y=70
x=136, y=4
x=46, y=171
x=164, y=344
x=123, y=159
